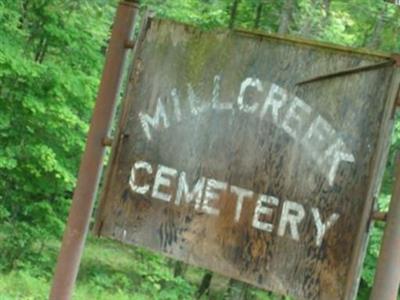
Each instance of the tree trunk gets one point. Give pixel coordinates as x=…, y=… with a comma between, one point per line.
x=204, y=285
x=327, y=9
x=286, y=17
x=179, y=269
x=23, y=19
x=40, y=49
x=308, y=25
x=317, y=19
x=375, y=38
x=233, y=13
x=258, y=15
x=237, y=290
x=44, y=51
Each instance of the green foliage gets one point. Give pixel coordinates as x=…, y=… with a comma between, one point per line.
x=207, y=14
x=109, y=271
x=51, y=55
x=114, y=267
x=49, y=68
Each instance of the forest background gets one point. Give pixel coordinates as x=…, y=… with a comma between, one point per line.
x=51, y=57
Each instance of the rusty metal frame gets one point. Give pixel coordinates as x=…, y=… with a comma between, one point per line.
x=375, y=177
x=120, y=134
x=387, y=277
x=92, y=161
x=350, y=71
x=393, y=60
x=379, y=216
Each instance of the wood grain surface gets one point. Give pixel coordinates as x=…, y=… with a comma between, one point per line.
x=223, y=161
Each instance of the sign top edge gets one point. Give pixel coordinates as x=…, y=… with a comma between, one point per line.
x=375, y=54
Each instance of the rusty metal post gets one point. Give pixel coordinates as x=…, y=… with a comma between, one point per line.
x=92, y=160
x=387, y=277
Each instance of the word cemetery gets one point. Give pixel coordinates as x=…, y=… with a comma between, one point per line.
x=207, y=191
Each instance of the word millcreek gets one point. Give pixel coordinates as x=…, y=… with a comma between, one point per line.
x=206, y=192
x=285, y=110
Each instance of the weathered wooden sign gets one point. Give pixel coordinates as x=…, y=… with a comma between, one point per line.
x=228, y=157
